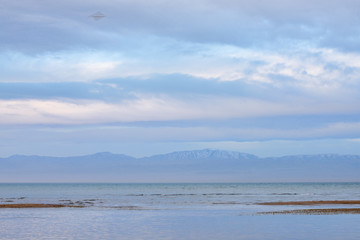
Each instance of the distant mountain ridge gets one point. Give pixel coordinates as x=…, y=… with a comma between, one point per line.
x=193, y=154
x=205, y=165
x=206, y=154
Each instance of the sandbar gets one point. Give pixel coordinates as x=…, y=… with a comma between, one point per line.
x=327, y=211
x=34, y=205
x=313, y=202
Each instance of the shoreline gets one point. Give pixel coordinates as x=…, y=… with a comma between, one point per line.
x=310, y=211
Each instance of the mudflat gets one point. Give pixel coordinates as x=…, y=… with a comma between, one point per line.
x=33, y=205
x=317, y=211
x=327, y=211
x=340, y=202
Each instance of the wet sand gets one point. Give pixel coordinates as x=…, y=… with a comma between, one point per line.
x=336, y=202
x=327, y=211
x=324, y=211
x=34, y=205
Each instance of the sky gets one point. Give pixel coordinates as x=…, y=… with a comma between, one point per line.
x=270, y=78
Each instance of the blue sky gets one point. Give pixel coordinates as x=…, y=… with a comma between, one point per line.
x=264, y=77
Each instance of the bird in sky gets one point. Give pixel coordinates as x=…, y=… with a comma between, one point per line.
x=97, y=16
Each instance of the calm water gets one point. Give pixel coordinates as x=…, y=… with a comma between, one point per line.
x=174, y=211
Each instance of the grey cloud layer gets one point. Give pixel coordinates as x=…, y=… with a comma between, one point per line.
x=48, y=25
x=182, y=108
x=178, y=86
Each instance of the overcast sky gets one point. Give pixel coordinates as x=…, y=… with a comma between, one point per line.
x=264, y=77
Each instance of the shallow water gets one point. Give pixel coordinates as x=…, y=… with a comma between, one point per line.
x=171, y=224
x=170, y=196
x=174, y=211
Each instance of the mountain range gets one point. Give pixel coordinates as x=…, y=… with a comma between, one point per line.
x=186, y=166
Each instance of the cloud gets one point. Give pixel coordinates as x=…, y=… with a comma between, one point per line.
x=58, y=66
x=149, y=108
x=182, y=70
x=277, y=24
x=118, y=134
x=309, y=71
